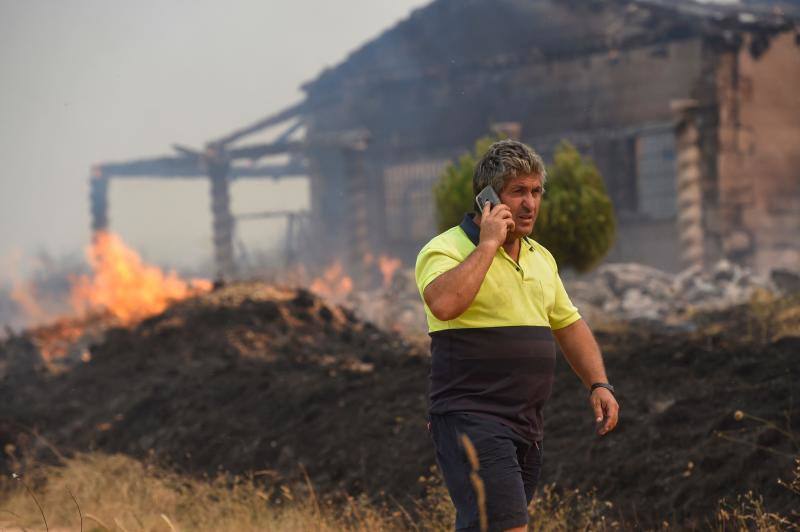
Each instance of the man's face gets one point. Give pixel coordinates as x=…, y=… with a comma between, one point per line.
x=523, y=195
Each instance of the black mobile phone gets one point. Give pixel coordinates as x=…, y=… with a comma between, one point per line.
x=487, y=194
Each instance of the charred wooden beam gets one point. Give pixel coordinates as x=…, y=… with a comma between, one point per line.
x=256, y=151
x=216, y=163
x=185, y=150
x=269, y=214
x=195, y=164
x=277, y=118
x=156, y=167
x=288, y=132
x=275, y=171
x=170, y=167
x=349, y=140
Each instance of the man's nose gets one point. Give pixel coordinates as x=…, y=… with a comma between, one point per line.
x=527, y=202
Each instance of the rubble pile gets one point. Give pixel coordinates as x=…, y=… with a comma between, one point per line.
x=617, y=291
x=630, y=291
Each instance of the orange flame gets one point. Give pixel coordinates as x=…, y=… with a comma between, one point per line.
x=56, y=338
x=388, y=266
x=126, y=287
x=333, y=283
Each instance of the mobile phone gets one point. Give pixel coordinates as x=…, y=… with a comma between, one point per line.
x=487, y=194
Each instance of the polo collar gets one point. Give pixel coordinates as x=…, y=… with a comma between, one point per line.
x=473, y=230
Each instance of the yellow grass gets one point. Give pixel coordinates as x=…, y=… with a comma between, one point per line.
x=116, y=492
x=119, y=493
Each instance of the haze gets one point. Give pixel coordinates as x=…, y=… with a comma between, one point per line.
x=96, y=81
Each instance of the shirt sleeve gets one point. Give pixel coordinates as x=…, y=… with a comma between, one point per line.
x=431, y=263
x=564, y=313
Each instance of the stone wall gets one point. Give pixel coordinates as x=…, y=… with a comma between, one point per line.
x=757, y=219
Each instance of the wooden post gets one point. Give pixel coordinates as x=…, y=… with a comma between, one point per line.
x=98, y=200
x=222, y=220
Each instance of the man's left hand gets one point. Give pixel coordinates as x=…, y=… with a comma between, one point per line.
x=606, y=410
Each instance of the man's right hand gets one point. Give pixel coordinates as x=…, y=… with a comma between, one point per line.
x=452, y=292
x=495, y=224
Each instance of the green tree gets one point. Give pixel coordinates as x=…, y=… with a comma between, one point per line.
x=576, y=221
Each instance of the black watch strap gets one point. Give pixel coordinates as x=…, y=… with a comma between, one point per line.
x=605, y=385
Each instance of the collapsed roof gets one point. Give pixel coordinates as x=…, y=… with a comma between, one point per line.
x=463, y=34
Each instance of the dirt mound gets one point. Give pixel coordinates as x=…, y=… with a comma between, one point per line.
x=253, y=378
x=248, y=378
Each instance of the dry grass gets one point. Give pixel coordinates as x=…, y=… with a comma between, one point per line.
x=772, y=317
x=116, y=492
x=119, y=493
x=749, y=511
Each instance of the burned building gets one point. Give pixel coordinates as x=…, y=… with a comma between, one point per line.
x=691, y=112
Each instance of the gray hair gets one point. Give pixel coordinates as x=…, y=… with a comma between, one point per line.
x=506, y=159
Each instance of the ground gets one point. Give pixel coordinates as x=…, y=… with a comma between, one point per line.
x=253, y=379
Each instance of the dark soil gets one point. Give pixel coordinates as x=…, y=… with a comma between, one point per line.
x=678, y=448
x=252, y=379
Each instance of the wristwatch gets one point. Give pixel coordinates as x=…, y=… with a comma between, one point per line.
x=605, y=385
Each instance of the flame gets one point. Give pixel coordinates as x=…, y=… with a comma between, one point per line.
x=333, y=283
x=57, y=338
x=125, y=286
x=388, y=266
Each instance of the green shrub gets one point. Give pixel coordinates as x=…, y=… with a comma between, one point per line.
x=576, y=221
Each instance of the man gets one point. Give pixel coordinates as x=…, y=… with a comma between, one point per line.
x=494, y=301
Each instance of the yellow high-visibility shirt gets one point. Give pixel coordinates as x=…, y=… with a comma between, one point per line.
x=497, y=359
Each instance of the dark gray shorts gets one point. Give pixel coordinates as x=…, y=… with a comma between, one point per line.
x=509, y=468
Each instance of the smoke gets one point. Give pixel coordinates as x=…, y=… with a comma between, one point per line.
x=36, y=288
